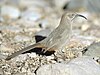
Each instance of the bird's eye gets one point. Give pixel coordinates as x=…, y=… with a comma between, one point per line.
x=72, y=14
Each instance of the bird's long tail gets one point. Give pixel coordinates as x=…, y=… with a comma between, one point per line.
x=38, y=45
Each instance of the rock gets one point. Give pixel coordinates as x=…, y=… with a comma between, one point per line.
x=78, y=66
x=32, y=55
x=31, y=15
x=93, y=50
x=10, y=12
x=84, y=27
x=50, y=58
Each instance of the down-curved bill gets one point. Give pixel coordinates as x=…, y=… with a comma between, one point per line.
x=80, y=16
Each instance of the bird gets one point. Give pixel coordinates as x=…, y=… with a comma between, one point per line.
x=57, y=39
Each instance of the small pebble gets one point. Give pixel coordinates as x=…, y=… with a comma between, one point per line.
x=84, y=27
x=32, y=55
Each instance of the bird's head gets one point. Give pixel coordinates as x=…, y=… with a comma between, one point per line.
x=71, y=16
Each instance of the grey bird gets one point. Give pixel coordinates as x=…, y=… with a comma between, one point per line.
x=57, y=39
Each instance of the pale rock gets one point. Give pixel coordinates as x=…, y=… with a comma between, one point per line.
x=31, y=15
x=93, y=50
x=32, y=55
x=84, y=27
x=50, y=58
x=77, y=66
x=10, y=12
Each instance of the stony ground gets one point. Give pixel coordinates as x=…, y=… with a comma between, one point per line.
x=22, y=21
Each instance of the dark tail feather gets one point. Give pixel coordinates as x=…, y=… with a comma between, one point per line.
x=38, y=45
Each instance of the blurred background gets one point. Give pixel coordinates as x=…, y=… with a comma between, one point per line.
x=13, y=9
x=35, y=10
x=21, y=20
